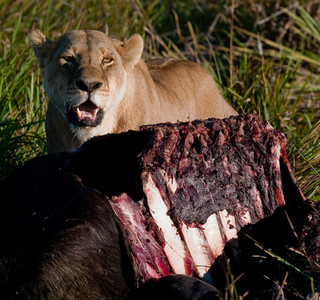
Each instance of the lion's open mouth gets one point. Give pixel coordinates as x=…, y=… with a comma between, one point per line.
x=86, y=110
x=86, y=114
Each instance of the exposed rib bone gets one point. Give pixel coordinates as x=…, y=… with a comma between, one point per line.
x=198, y=248
x=174, y=248
x=212, y=233
x=228, y=224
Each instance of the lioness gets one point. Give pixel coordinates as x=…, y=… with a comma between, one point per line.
x=98, y=85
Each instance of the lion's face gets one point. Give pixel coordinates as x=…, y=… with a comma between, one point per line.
x=85, y=73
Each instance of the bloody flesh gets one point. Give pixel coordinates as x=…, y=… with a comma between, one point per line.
x=202, y=182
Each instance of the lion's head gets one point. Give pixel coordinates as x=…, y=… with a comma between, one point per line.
x=85, y=73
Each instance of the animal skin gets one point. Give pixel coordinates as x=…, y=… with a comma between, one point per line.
x=99, y=85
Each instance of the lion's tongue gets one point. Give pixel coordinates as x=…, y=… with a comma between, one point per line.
x=86, y=110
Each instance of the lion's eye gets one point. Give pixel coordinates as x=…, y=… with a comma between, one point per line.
x=107, y=60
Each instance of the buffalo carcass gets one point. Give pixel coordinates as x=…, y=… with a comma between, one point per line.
x=138, y=207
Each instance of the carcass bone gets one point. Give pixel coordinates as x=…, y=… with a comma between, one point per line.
x=174, y=247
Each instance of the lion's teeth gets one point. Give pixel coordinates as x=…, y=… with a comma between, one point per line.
x=79, y=113
x=94, y=113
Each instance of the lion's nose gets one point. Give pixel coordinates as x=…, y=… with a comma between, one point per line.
x=88, y=86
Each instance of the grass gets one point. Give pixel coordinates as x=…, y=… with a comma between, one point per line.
x=264, y=56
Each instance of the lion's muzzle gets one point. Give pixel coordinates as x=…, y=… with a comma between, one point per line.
x=87, y=113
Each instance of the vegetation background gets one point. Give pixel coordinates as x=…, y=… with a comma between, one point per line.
x=264, y=56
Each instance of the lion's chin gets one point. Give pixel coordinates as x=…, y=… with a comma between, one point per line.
x=86, y=114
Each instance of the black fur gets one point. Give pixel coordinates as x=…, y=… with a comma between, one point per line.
x=177, y=287
x=60, y=240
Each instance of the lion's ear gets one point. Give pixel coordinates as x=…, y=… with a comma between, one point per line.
x=42, y=47
x=132, y=51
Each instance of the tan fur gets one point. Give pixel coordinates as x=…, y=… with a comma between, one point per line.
x=131, y=92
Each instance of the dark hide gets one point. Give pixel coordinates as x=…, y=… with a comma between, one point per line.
x=178, y=287
x=60, y=240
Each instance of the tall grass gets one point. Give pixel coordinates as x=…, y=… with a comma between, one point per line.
x=264, y=56
x=22, y=104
